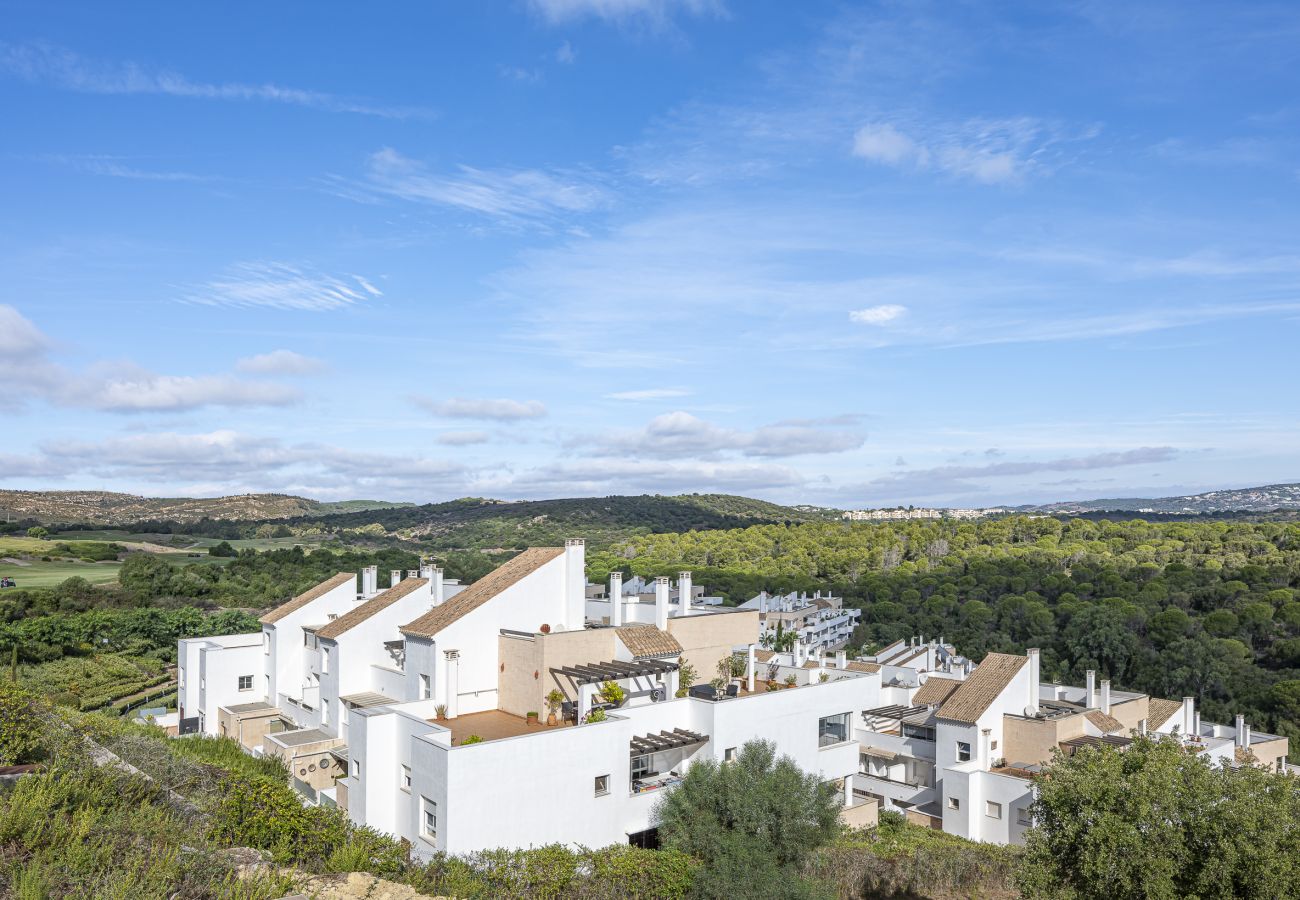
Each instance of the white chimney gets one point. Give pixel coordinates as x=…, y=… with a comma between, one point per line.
x=412, y=573
x=1142, y=727
x=616, y=598
x=436, y=585
x=1189, y=715
x=841, y=659
x=575, y=584
x=661, y=601
x=1196, y=724
x=1105, y=696
x=1034, y=679
x=369, y=580
x=1243, y=733
x=394, y=577
x=751, y=668
x=684, y=589
x=985, y=739
x=762, y=602
x=1090, y=695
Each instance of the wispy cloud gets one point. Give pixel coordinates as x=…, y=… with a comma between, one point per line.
x=655, y=13
x=463, y=438
x=679, y=435
x=877, y=315
x=281, y=362
x=279, y=285
x=996, y=151
x=471, y=408
x=118, y=167
x=513, y=194
x=648, y=394
x=62, y=68
x=565, y=54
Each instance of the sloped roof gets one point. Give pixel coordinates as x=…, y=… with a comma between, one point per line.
x=935, y=691
x=503, y=576
x=1107, y=724
x=373, y=606
x=977, y=692
x=306, y=597
x=1160, y=711
x=763, y=655
x=647, y=640
x=859, y=666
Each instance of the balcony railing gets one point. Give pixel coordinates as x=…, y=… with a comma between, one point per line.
x=646, y=785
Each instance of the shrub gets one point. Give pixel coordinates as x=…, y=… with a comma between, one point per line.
x=596, y=715
x=612, y=692
x=472, y=739
x=21, y=725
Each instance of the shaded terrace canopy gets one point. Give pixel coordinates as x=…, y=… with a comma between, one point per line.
x=593, y=673
x=666, y=740
x=1074, y=745
x=895, y=712
x=366, y=700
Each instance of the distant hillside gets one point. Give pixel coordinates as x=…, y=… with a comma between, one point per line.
x=1256, y=499
x=106, y=508
x=488, y=524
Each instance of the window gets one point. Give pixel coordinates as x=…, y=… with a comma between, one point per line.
x=428, y=818
x=833, y=730
x=426, y=689
x=920, y=732
x=325, y=660
x=203, y=684
x=406, y=778
x=1022, y=816
x=729, y=754
x=356, y=768
x=266, y=642
x=602, y=785
x=245, y=682
x=963, y=751
x=993, y=745
x=993, y=810
x=306, y=638
x=641, y=766
x=954, y=803
x=325, y=713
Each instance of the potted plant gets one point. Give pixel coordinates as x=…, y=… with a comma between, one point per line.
x=530, y=718
x=440, y=711
x=596, y=715
x=472, y=739
x=554, y=700
x=612, y=693
x=791, y=681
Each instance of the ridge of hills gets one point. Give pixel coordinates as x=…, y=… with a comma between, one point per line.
x=1265, y=498
x=110, y=508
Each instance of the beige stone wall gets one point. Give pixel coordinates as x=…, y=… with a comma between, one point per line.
x=517, y=690
x=1131, y=712
x=922, y=819
x=318, y=769
x=248, y=730
x=862, y=815
x=705, y=639
x=570, y=648
x=1267, y=752
x=1032, y=740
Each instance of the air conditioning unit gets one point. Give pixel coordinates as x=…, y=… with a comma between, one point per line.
x=658, y=694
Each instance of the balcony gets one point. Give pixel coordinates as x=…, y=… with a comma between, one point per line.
x=915, y=747
x=654, y=783
x=899, y=792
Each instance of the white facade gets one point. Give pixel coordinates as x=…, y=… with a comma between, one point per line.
x=821, y=622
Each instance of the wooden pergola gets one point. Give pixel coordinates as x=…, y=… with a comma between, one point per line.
x=594, y=673
x=665, y=740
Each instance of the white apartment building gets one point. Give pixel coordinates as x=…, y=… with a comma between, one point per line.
x=410, y=707
x=959, y=752
x=820, y=621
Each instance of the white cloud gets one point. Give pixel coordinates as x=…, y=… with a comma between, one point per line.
x=885, y=144
x=463, y=438
x=566, y=54
x=512, y=194
x=990, y=151
x=281, y=362
x=629, y=476
x=657, y=13
x=877, y=315
x=470, y=408
x=277, y=285
x=648, y=394
x=46, y=64
x=29, y=372
x=679, y=434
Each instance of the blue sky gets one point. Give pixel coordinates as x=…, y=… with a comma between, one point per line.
x=833, y=253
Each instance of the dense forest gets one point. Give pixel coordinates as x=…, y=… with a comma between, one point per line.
x=1206, y=609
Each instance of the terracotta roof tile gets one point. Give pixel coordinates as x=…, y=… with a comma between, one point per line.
x=503, y=576
x=374, y=605
x=811, y=664
x=859, y=666
x=982, y=687
x=647, y=640
x=1107, y=724
x=764, y=655
x=1160, y=711
x=935, y=691
x=306, y=597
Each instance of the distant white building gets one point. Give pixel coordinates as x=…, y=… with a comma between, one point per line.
x=903, y=513
x=820, y=622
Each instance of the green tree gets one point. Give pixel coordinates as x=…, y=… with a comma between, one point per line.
x=1155, y=821
x=753, y=822
x=36, y=531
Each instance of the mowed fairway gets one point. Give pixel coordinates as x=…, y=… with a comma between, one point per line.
x=46, y=574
